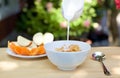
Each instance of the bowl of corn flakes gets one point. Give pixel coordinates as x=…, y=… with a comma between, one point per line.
x=67, y=54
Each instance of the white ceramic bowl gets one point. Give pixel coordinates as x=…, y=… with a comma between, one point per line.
x=67, y=60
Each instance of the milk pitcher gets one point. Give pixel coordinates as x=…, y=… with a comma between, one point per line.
x=72, y=9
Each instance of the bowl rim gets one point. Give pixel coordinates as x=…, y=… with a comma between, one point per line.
x=88, y=49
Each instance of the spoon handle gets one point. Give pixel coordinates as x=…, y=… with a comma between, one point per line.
x=106, y=72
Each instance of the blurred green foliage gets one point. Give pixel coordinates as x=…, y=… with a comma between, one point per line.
x=46, y=16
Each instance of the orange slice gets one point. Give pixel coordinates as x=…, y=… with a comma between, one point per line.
x=25, y=50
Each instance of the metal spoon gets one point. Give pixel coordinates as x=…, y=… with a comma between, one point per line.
x=99, y=56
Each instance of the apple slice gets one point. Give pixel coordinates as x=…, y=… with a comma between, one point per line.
x=33, y=45
x=38, y=38
x=22, y=41
x=48, y=37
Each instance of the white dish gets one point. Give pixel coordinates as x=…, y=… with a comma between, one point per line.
x=10, y=52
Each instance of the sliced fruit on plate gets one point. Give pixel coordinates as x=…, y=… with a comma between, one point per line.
x=48, y=37
x=21, y=50
x=22, y=41
x=26, y=47
x=38, y=38
x=38, y=50
x=18, y=49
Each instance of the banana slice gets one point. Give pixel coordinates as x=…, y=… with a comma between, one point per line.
x=38, y=38
x=48, y=37
x=22, y=41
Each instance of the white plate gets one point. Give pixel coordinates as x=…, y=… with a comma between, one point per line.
x=10, y=52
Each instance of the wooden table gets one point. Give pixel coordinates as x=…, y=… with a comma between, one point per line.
x=12, y=67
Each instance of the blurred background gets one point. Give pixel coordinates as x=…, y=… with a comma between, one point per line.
x=99, y=24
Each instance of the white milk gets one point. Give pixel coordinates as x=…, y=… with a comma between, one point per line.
x=68, y=30
x=71, y=10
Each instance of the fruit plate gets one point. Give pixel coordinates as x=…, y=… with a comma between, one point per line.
x=10, y=52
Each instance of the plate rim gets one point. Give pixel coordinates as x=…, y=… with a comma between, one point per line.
x=11, y=53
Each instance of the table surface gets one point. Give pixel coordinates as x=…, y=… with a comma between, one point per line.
x=12, y=67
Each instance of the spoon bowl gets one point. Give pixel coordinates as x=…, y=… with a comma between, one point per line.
x=97, y=55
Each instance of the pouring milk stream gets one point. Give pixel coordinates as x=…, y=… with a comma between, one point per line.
x=71, y=10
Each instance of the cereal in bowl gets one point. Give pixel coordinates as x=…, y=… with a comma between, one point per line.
x=70, y=48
